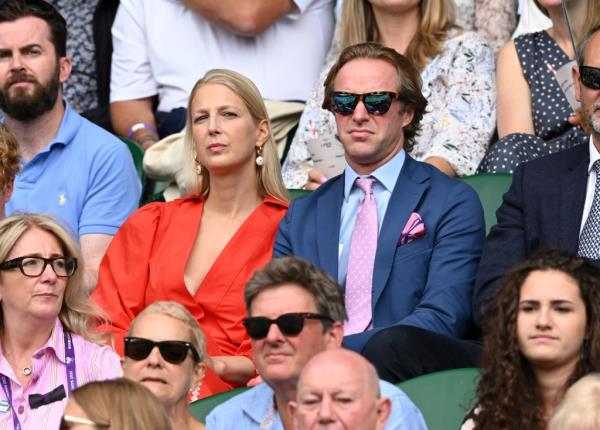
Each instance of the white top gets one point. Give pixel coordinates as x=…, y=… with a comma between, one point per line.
x=162, y=47
x=591, y=184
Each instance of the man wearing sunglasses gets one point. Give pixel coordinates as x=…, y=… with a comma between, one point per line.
x=401, y=238
x=553, y=202
x=72, y=168
x=295, y=311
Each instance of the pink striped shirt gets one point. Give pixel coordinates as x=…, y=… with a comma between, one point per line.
x=92, y=362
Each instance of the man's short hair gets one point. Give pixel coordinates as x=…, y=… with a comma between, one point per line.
x=408, y=86
x=10, y=158
x=328, y=296
x=12, y=10
x=584, y=44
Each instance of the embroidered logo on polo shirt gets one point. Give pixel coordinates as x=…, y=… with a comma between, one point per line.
x=62, y=199
x=4, y=406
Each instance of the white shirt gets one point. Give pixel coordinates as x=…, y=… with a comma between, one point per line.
x=591, y=185
x=162, y=47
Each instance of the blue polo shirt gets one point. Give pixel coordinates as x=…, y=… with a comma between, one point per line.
x=85, y=178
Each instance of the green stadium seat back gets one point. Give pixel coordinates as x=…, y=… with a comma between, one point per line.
x=201, y=408
x=490, y=188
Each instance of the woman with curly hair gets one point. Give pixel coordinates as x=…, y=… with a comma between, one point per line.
x=10, y=164
x=543, y=335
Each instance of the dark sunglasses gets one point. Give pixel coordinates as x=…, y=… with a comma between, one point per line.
x=376, y=103
x=35, y=266
x=173, y=351
x=590, y=77
x=289, y=324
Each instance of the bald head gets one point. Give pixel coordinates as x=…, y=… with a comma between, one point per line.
x=339, y=388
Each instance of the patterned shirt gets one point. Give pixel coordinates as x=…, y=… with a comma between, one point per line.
x=460, y=86
x=81, y=89
x=92, y=362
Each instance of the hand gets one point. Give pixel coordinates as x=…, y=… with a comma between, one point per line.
x=255, y=381
x=315, y=179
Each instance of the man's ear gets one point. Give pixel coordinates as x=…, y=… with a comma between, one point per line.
x=384, y=408
x=334, y=335
x=292, y=409
x=65, y=67
x=406, y=116
x=576, y=82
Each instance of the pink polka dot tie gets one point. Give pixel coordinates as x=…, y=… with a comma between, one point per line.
x=359, y=278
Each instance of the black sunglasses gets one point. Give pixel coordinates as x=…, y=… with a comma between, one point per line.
x=590, y=77
x=173, y=351
x=35, y=266
x=289, y=324
x=376, y=103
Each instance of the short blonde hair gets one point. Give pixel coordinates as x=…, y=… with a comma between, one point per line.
x=580, y=408
x=78, y=313
x=437, y=19
x=10, y=158
x=268, y=177
x=179, y=312
x=121, y=404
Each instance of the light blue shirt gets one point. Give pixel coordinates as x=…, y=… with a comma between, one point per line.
x=248, y=410
x=85, y=178
x=386, y=177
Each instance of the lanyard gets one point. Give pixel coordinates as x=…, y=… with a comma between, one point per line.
x=70, y=370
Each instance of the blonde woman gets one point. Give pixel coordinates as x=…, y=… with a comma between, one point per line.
x=165, y=350
x=118, y=404
x=49, y=344
x=457, y=69
x=201, y=250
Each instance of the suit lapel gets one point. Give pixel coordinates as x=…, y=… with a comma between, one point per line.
x=572, y=198
x=329, y=206
x=412, y=183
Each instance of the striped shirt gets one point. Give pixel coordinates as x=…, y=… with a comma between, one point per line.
x=92, y=362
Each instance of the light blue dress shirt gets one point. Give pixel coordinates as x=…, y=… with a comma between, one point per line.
x=386, y=177
x=247, y=411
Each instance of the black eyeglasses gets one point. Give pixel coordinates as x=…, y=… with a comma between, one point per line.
x=289, y=324
x=173, y=351
x=590, y=77
x=35, y=266
x=376, y=103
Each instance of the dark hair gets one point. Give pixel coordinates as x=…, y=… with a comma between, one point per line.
x=508, y=392
x=409, y=82
x=12, y=10
x=329, y=299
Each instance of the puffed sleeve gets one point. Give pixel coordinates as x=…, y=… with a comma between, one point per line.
x=124, y=270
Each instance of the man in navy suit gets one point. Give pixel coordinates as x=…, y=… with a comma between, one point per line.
x=551, y=198
x=405, y=248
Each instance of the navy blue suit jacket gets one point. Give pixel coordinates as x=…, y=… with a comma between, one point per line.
x=541, y=209
x=427, y=282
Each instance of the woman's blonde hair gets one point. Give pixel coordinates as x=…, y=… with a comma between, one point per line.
x=592, y=18
x=580, y=408
x=437, y=19
x=268, y=177
x=10, y=158
x=179, y=312
x=121, y=404
x=78, y=314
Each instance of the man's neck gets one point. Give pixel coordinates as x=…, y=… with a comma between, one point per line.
x=283, y=395
x=34, y=135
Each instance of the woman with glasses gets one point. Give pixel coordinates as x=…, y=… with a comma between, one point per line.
x=533, y=109
x=201, y=250
x=542, y=336
x=457, y=68
x=118, y=404
x=48, y=339
x=164, y=350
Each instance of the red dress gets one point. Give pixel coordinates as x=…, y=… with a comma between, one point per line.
x=146, y=259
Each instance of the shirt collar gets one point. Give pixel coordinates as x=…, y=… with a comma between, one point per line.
x=594, y=154
x=386, y=175
x=260, y=403
x=56, y=342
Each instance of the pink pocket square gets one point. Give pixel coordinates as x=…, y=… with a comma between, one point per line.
x=413, y=229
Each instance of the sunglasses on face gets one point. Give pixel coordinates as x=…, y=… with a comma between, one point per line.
x=376, y=103
x=35, y=266
x=173, y=351
x=590, y=77
x=289, y=324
